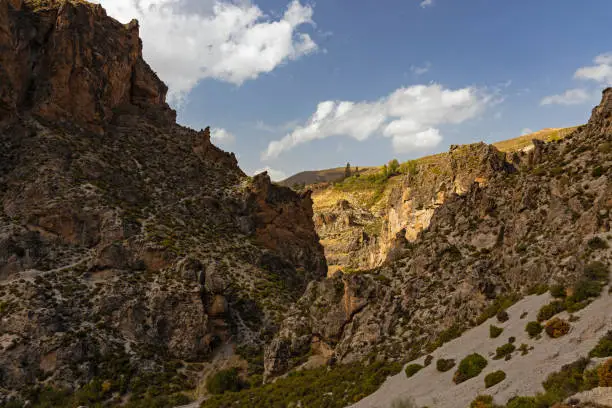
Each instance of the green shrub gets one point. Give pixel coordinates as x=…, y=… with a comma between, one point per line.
x=428, y=360
x=412, y=369
x=597, y=171
x=495, y=332
x=224, y=380
x=500, y=304
x=339, y=386
x=566, y=382
x=445, y=336
x=551, y=309
x=596, y=243
x=504, y=351
x=470, y=367
x=483, y=401
x=596, y=271
x=539, y=289
x=445, y=364
x=522, y=402
x=533, y=329
x=584, y=290
x=494, y=378
x=557, y=291
x=502, y=316
x=603, y=347
x=557, y=327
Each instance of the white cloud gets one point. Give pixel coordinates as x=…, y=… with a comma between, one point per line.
x=222, y=137
x=526, y=131
x=600, y=72
x=275, y=175
x=426, y=3
x=186, y=41
x=404, y=143
x=420, y=70
x=409, y=116
x=574, y=96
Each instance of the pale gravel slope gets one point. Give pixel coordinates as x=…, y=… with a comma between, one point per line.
x=524, y=373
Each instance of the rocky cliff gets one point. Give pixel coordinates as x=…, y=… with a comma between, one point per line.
x=364, y=221
x=126, y=240
x=491, y=228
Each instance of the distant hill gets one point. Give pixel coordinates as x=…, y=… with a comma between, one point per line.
x=320, y=176
x=510, y=145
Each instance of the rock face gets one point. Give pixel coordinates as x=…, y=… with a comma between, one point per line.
x=498, y=226
x=121, y=232
x=60, y=62
x=361, y=236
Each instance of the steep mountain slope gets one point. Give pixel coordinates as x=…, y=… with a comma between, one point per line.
x=537, y=219
x=361, y=219
x=525, y=371
x=129, y=245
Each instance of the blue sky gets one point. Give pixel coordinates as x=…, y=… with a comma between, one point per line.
x=291, y=86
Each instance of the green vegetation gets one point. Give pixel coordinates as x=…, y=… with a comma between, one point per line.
x=557, y=291
x=500, y=304
x=557, y=327
x=596, y=271
x=603, y=347
x=224, y=381
x=114, y=374
x=502, y=316
x=412, y=369
x=409, y=167
x=597, y=171
x=504, y=351
x=522, y=402
x=494, y=331
x=322, y=387
x=483, y=401
x=595, y=275
x=444, y=365
x=596, y=243
x=551, y=309
x=604, y=372
x=494, y=378
x=533, y=329
x=445, y=336
x=470, y=367
x=558, y=386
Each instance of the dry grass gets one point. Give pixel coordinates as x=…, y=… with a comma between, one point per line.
x=521, y=142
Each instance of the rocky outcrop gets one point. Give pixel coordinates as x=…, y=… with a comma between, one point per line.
x=358, y=236
x=500, y=231
x=66, y=60
x=282, y=222
x=125, y=237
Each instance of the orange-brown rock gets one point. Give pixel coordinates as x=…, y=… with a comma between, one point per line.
x=67, y=60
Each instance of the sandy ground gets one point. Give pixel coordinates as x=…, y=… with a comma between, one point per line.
x=525, y=374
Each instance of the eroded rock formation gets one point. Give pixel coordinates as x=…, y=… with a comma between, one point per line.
x=124, y=236
x=498, y=226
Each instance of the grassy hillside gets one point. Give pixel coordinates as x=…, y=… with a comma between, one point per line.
x=521, y=142
x=337, y=174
